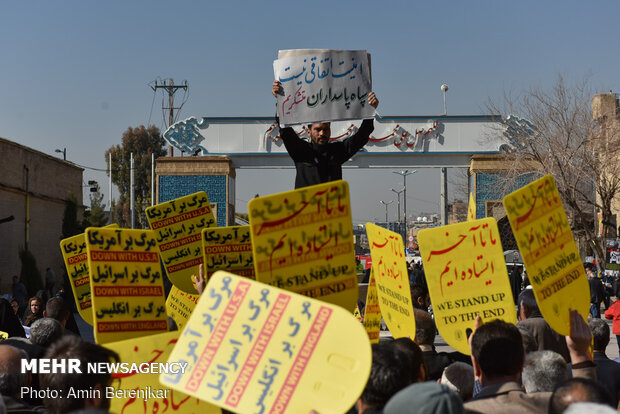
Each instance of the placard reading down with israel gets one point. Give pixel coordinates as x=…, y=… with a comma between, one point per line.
x=253, y=348
x=467, y=277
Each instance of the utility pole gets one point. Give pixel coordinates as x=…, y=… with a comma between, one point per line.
x=171, y=88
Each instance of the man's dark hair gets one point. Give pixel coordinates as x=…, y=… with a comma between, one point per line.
x=527, y=299
x=498, y=348
x=57, y=308
x=578, y=390
x=414, y=355
x=600, y=333
x=425, y=329
x=75, y=348
x=388, y=375
x=418, y=291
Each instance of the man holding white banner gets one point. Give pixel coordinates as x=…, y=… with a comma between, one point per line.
x=314, y=88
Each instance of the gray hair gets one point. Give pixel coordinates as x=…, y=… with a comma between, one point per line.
x=589, y=408
x=600, y=333
x=45, y=331
x=459, y=377
x=11, y=377
x=543, y=371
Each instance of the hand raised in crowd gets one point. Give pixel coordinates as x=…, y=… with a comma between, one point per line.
x=579, y=340
x=372, y=100
x=200, y=281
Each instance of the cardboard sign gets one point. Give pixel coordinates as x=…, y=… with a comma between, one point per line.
x=303, y=242
x=549, y=252
x=255, y=348
x=127, y=285
x=76, y=261
x=177, y=225
x=372, y=314
x=179, y=305
x=326, y=85
x=467, y=276
x=390, y=271
x=471, y=208
x=229, y=249
x=141, y=392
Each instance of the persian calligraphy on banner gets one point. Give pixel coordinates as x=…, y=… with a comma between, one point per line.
x=179, y=305
x=390, y=270
x=149, y=396
x=303, y=242
x=372, y=314
x=255, y=348
x=466, y=276
x=76, y=261
x=228, y=248
x=177, y=225
x=325, y=85
x=549, y=252
x=126, y=282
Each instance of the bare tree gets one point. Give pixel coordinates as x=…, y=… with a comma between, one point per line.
x=555, y=133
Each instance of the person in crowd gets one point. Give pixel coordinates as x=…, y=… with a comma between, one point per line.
x=388, y=375
x=459, y=377
x=596, y=293
x=543, y=371
x=57, y=308
x=45, y=332
x=578, y=390
x=497, y=357
x=412, y=351
x=420, y=297
x=529, y=342
x=515, y=282
x=614, y=313
x=9, y=322
x=35, y=304
x=531, y=319
x=425, y=398
x=425, y=332
x=607, y=371
x=320, y=161
x=19, y=293
x=12, y=379
x=71, y=346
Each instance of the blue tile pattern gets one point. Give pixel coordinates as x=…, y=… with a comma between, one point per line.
x=489, y=187
x=175, y=186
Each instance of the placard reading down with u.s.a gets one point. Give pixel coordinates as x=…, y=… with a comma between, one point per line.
x=549, y=252
x=127, y=284
x=303, y=242
x=229, y=249
x=253, y=348
x=177, y=225
x=466, y=276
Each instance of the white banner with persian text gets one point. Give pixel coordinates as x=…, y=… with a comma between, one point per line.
x=325, y=85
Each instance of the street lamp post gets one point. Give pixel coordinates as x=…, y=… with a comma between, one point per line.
x=398, y=199
x=386, y=203
x=405, y=173
x=63, y=152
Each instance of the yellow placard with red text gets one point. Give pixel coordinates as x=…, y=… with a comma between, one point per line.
x=177, y=225
x=471, y=208
x=390, y=271
x=229, y=249
x=141, y=392
x=372, y=312
x=76, y=262
x=126, y=284
x=255, y=348
x=466, y=276
x=302, y=241
x=179, y=305
x=549, y=252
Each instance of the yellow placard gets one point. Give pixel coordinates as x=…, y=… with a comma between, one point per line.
x=466, y=276
x=3, y=336
x=76, y=262
x=126, y=282
x=255, y=348
x=229, y=249
x=471, y=209
x=372, y=312
x=179, y=305
x=390, y=270
x=303, y=242
x=139, y=391
x=551, y=258
x=177, y=225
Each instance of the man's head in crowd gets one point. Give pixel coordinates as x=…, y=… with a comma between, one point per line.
x=420, y=297
x=45, y=331
x=497, y=353
x=578, y=390
x=425, y=329
x=527, y=304
x=543, y=371
x=388, y=375
x=425, y=398
x=600, y=334
x=320, y=133
x=57, y=308
x=459, y=377
x=11, y=377
x=415, y=358
x=75, y=348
